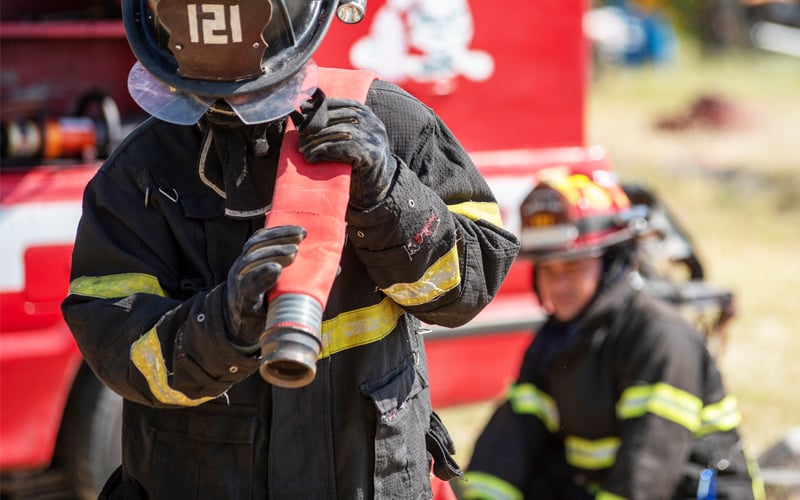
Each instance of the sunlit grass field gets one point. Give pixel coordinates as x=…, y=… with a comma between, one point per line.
x=736, y=190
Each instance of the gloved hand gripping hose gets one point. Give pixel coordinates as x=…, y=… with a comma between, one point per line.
x=315, y=197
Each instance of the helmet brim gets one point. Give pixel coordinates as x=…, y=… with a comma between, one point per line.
x=559, y=243
x=164, y=102
x=175, y=106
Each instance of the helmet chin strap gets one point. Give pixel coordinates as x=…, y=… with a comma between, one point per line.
x=221, y=114
x=237, y=162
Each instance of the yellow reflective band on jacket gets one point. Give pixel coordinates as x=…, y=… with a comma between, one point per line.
x=359, y=327
x=720, y=417
x=591, y=454
x=440, y=278
x=607, y=495
x=478, y=210
x=116, y=286
x=600, y=494
x=663, y=400
x=148, y=359
x=759, y=491
x=482, y=486
x=527, y=399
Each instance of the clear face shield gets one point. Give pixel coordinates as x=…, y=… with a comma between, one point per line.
x=175, y=106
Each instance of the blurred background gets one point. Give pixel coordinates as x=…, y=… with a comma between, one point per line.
x=687, y=99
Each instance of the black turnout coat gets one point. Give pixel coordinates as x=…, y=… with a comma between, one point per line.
x=153, y=248
x=623, y=402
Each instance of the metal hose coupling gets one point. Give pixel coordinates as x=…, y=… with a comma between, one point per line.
x=291, y=342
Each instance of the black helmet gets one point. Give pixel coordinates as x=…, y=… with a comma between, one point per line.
x=253, y=54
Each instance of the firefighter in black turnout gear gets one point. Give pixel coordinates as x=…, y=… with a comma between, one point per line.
x=617, y=396
x=172, y=260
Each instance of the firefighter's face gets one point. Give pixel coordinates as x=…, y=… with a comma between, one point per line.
x=567, y=286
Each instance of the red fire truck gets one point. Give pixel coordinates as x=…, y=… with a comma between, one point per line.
x=510, y=82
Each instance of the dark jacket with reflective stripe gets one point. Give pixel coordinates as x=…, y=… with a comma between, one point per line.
x=145, y=305
x=633, y=406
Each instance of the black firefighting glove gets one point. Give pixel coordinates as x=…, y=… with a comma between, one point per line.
x=344, y=130
x=253, y=273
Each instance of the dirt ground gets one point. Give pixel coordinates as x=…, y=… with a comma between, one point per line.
x=717, y=139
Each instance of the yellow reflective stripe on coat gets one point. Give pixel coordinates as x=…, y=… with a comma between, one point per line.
x=607, y=495
x=440, y=278
x=116, y=286
x=148, y=359
x=527, y=399
x=444, y=274
x=359, y=327
x=759, y=491
x=591, y=454
x=482, y=486
x=663, y=400
x=478, y=210
x=720, y=417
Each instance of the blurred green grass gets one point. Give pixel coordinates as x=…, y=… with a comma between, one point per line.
x=737, y=192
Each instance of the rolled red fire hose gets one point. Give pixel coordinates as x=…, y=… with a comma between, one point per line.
x=315, y=197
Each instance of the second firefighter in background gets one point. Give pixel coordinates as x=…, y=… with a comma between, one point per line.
x=617, y=396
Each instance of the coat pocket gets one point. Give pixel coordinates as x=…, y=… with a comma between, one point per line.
x=402, y=406
x=203, y=453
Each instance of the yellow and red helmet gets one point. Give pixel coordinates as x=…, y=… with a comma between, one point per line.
x=572, y=216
